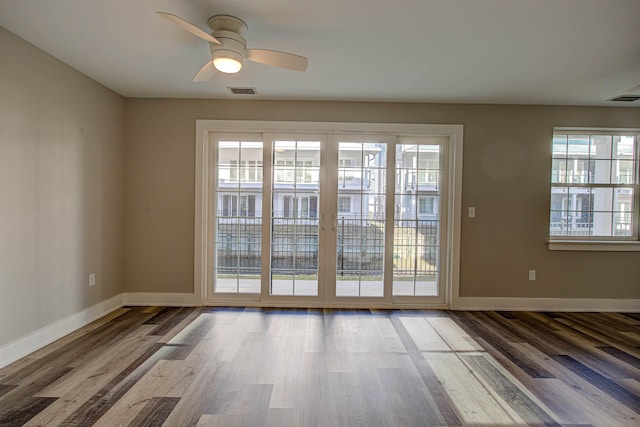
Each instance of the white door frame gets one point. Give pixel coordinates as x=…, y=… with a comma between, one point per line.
x=449, y=265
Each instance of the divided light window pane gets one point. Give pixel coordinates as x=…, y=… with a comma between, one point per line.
x=295, y=191
x=416, y=239
x=594, y=185
x=238, y=217
x=362, y=171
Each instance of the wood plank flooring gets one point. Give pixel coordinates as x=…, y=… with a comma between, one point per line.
x=154, y=366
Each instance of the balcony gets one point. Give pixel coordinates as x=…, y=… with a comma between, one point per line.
x=580, y=229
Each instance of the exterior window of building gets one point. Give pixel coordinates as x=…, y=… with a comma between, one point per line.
x=344, y=204
x=284, y=171
x=229, y=205
x=308, y=206
x=233, y=170
x=426, y=206
x=287, y=207
x=248, y=206
x=428, y=171
x=304, y=170
x=251, y=171
x=594, y=185
x=349, y=173
x=313, y=207
x=234, y=206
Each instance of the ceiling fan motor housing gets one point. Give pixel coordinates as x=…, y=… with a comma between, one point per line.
x=233, y=44
x=229, y=31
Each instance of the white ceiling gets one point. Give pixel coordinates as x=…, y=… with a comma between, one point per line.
x=567, y=52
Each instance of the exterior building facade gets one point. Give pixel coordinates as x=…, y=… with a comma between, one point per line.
x=295, y=200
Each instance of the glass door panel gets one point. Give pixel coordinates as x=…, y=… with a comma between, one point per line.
x=376, y=240
x=238, y=217
x=295, y=202
x=416, y=242
x=360, y=224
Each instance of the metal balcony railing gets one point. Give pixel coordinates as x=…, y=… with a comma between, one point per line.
x=567, y=228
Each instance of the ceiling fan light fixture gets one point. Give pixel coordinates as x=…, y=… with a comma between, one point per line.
x=227, y=65
x=228, y=47
x=227, y=61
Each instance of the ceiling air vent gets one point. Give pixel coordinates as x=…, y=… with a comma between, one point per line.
x=629, y=95
x=243, y=90
x=626, y=98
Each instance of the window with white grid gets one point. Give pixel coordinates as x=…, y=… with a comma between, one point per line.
x=594, y=185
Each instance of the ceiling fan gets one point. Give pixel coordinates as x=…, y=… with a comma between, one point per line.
x=229, y=47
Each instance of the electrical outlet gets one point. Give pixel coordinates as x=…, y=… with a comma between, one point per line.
x=92, y=279
x=532, y=275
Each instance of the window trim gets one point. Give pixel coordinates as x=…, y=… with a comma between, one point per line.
x=599, y=243
x=594, y=245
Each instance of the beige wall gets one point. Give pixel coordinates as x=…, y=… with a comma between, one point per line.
x=506, y=177
x=90, y=182
x=61, y=190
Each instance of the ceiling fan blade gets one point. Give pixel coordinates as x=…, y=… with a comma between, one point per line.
x=205, y=73
x=189, y=27
x=278, y=59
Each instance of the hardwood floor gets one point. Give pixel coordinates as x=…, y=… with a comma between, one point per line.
x=142, y=366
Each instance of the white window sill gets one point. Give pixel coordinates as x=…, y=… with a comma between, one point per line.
x=594, y=245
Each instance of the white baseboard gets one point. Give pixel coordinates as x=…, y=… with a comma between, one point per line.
x=546, y=304
x=21, y=347
x=163, y=299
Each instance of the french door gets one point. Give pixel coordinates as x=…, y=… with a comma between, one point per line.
x=327, y=219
